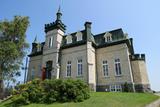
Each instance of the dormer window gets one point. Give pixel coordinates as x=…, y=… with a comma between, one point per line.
x=108, y=37
x=79, y=36
x=38, y=47
x=69, y=39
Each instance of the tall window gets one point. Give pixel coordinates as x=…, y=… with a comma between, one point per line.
x=105, y=68
x=79, y=67
x=32, y=73
x=68, y=69
x=48, y=69
x=115, y=88
x=39, y=70
x=118, y=67
x=50, y=43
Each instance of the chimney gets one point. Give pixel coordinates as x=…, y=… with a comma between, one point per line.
x=88, y=30
x=87, y=25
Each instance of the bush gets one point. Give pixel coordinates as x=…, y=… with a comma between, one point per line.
x=65, y=90
x=19, y=100
x=128, y=87
x=50, y=91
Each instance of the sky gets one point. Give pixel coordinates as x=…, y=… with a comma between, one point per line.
x=139, y=18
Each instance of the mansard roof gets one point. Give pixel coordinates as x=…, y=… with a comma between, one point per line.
x=97, y=39
x=35, y=51
x=116, y=34
x=74, y=40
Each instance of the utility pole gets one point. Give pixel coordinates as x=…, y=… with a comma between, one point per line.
x=25, y=70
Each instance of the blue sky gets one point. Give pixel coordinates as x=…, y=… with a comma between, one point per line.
x=139, y=18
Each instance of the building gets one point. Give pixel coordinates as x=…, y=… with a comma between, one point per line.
x=105, y=61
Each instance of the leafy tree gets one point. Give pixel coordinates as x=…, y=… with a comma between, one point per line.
x=12, y=46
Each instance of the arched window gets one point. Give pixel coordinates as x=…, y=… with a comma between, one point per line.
x=69, y=39
x=108, y=37
x=79, y=36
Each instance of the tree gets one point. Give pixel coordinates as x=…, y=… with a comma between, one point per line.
x=13, y=46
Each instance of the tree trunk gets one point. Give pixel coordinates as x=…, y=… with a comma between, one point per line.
x=1, y=79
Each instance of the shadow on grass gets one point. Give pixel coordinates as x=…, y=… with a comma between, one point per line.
x=11, y=104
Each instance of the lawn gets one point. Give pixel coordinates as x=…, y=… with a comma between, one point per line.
x=103, y=99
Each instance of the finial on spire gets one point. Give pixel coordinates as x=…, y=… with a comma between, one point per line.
x=59, y=9
x=59, y=14
x=35, y=40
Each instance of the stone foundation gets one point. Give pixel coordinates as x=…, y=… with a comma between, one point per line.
x=102, y=88
x=92, y=87
x=142, y=87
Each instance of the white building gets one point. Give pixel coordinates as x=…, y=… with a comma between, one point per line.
x=105, y=61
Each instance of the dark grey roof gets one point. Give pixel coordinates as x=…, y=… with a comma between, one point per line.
x=117, y=34
x=74, y=38
x=97, y=39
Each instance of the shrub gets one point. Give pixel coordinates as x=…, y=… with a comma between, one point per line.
x=65, y=90
x=19, y=100
x=128, y=87
x=50, y=91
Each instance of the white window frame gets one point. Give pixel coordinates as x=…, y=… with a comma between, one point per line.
x=79, y=67
x=50, y=42
x=105, y=68
x=116, y=88
x=108, y=37
x=118, y=70
x=68, y=69
x=69, y=39
x=79, y=36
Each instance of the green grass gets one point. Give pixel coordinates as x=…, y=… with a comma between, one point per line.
x=104, y=99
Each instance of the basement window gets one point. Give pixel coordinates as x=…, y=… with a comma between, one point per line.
x=115, y=88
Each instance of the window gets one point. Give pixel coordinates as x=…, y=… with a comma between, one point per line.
x=79, y=67
x=79, y=36
x=38, y=47
x=39, y=70
x=49, y=69
x=108, y=37
x=68, y=69
x=115, y=88
x=50, y=43
x=105, y=68
x=32, y=73
x=118, y=67
x=69, y=39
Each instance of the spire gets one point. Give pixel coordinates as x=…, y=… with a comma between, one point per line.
x=35, y=40
x=59, y=14
x=58, y=24
x=59, y=9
